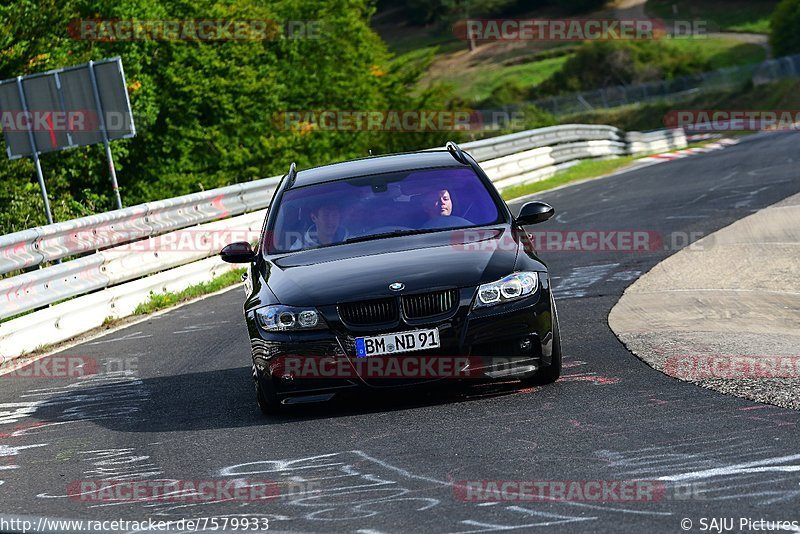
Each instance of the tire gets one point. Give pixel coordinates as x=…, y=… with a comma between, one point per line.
x=267, y=403
x=552, y=372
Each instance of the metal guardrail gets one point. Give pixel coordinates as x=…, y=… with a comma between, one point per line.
x=538, y=163
x=658, y=141
x=537, y=154
x=79, y=315
x=495, y=147
x=120, y=264
x=116, y=277
x=29, y=248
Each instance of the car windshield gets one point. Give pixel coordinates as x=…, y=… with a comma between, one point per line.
x=369, y=207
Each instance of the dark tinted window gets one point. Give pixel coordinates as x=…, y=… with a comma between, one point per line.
x=362, y=207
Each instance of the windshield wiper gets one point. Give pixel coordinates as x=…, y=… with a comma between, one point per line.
x=393, y=233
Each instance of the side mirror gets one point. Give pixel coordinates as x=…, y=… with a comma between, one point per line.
x=534, y=212
x=239, y=252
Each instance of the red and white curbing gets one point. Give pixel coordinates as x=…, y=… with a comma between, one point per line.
x=677, y=154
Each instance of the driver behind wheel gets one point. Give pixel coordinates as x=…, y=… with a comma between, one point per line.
x=437, y=204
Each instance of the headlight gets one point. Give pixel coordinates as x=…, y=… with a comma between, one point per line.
x=512, y=287
x=281, y=318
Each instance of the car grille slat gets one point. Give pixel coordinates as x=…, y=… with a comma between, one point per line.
x=381, y=311
x=369, y=312
x=430, y=304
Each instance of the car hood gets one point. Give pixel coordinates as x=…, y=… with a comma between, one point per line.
x=457, y=258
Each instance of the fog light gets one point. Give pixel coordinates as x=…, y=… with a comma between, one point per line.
x=525, y=345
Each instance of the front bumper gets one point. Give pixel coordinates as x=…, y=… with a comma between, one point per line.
x=508, y=340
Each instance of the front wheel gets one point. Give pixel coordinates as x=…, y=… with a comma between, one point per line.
x=552, y=372
x=268, y=403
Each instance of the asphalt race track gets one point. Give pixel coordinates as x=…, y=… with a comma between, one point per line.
x=185, y=409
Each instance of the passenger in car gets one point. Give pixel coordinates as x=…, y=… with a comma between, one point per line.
x=325, y=229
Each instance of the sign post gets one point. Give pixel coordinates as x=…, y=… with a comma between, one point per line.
x=34, y=152
x=102, y=124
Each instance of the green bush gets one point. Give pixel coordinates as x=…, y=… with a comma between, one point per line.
x=599, y=64
x=505, y=94
x=784, y=35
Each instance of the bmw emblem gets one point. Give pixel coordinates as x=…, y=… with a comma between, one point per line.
x=397, y=286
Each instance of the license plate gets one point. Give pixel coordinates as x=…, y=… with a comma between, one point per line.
x=398, y=342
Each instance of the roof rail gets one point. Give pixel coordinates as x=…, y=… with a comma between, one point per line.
x=292, y=175
x=455, y=150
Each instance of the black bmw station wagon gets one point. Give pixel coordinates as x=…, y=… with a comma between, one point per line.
x=391, y=271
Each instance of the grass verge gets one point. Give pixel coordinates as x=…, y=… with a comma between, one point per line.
x=478, y=82
x=585, y=169
x=159, y=301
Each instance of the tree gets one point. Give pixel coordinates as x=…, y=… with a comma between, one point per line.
x=784, y=37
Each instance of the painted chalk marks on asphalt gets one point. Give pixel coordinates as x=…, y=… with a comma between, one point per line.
x=12, y=413
x=115, y=394
x=763, y=475
x=117, y=464
x=577, y=282
x=7, y=451
x=580, y=281
x=126, y=337
x=356, y=485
